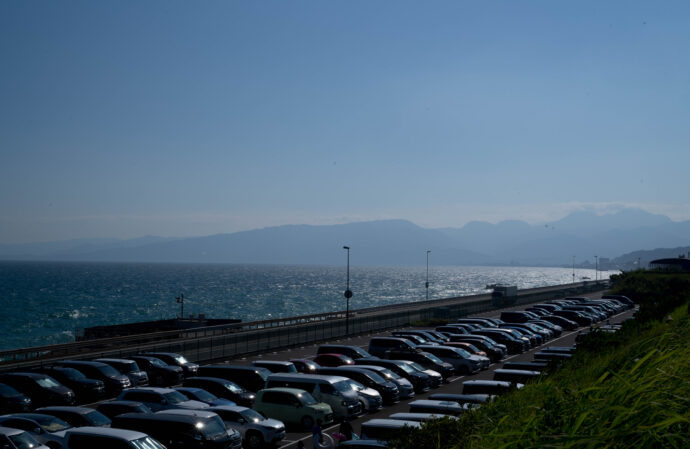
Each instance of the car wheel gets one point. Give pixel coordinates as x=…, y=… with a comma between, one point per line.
x=254, y=440
x=307, y=423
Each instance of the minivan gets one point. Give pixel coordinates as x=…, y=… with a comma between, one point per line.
x=129, y=368
x=335, y=391
x=113, y=380
x=293, y=407
x=222, y=388
x=463, y=362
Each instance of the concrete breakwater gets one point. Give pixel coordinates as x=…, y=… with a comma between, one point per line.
x=213, y=343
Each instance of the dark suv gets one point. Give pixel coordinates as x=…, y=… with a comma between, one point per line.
x=182, y=429
x=113, y=380
x=41, y=388
x=160, y=374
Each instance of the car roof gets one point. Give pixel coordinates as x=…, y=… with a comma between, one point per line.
x=108, y=431
x=159, y=390
x=66, y=408
x=186, y=412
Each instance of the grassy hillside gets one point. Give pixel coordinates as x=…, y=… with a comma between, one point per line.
x=625, y=390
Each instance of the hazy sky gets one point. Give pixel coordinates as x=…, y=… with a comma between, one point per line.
x=128, y=118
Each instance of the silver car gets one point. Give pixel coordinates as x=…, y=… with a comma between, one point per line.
x=256, y=430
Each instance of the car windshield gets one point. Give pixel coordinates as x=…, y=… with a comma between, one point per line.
x=251, y=415
x=97, y=418
x=307, y=399
x=108, y=371
x=233, y=387
x=47, y=382
x=157, y=362
x=356, y=385
x=433, y=358
x=23, y=441
x=147, y=443
x=343, y=386
x=72, y=374
x=405, y=367
x=203, y=395
x=129, y=367
x=212, y=427
x=462, y=352
x=390, y=374
x=181, y=360
x=417, y=366
x=50, y=423
x=175, y=397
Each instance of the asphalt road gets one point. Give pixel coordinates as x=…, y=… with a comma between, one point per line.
x=453, y=386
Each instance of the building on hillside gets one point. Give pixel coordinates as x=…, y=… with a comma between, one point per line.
x=671, y=264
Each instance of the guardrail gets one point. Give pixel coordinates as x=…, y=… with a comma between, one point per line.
x=232, y=340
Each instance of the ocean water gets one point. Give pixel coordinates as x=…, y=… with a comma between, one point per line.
x=46, y=302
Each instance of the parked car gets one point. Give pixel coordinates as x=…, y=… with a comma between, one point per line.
x=329, y=360
x=354, y=352
x=158, y=398
x=276, y=366
x=99, y=437
x=333, y=390
x=385, y=429
x=475, y=398
x=463, y=362
x=293, y=407
x=435, y=378
x=18, y=439
x=516, y=375
x=41, y=388
x=388, y=390
x=182, y=429
x=433, y=363
x=256, y=431
x=494, y=387
x=437, y=406
x=190, y=369
x=420, y=381
x=112, y=379
x=405, y=387
x=222, y=388
x=391, y=347
x=201, y=395
x=77, y=416
x=160, y=374
x=370, y=399
x=305, y=365
x=419, y=416
x=85, y=389
x=12, y=400
x=114, y=408
x=252, y=378
x=129, y=368
x=46, y=429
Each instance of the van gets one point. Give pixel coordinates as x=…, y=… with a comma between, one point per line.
x=391, y=347
x=385, y=429
x=388, y=390
x=276, y=366
x=252, y=378
x=104, y=438
x=494, y=387
x=293, y=407
x=129, y=368
x=333, y=390
x=182, y=429
x=516, y=375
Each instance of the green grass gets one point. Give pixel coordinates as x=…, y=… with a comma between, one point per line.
x=625, y=390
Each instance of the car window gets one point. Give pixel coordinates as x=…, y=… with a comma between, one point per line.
x=175, y=397
x=306, y=398
x=251, y=415
x=108, y=371
x=24, y=441
x=47, y=382
x=51, y=423
x=6, y=390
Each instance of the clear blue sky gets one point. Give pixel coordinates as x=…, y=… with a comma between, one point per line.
x=131, y=118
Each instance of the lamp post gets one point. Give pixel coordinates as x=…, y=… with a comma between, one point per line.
x=573, y=269
x=180, y=301
x=348, y=293
x=427, y=274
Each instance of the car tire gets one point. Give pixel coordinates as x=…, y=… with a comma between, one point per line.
x=254, y=440
x=307, y=422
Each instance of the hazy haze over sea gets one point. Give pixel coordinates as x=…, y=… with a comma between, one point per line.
x=44, y=302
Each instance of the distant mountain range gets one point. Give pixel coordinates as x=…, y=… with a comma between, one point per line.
x=392, y=242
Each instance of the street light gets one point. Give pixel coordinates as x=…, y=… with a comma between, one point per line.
x=348, y=293
x=427, y=274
